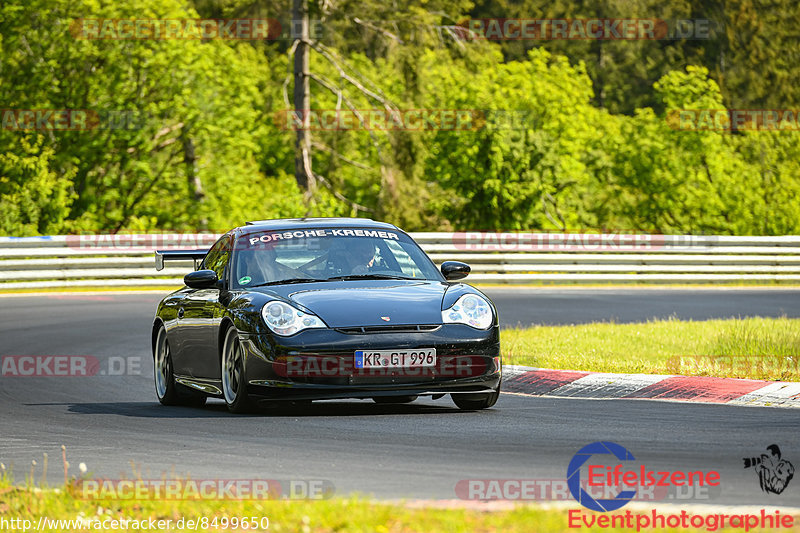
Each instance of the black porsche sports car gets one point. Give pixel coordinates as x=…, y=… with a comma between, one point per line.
x=322, y=308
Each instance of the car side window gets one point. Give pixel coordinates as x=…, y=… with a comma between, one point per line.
x=218, y=256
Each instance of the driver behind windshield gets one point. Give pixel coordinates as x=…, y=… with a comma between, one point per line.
x=360, y=256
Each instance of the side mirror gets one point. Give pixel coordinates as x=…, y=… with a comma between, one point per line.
x=201, y=279
x=453, y=270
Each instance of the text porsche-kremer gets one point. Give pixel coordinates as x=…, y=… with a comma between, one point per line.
x=304, y=309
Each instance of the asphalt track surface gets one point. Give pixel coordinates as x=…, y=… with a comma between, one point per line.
x=421, y=450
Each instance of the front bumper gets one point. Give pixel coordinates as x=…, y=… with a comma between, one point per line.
x=319, y=363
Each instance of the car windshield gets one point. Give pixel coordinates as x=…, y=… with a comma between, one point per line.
x=328, y=254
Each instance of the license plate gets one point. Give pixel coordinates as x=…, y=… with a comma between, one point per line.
x=395, y=358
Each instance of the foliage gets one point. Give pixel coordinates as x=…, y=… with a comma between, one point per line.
x=33, y=197
x=567, y=134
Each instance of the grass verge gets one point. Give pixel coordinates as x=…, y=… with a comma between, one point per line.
x=341, y=515
x=754, y=348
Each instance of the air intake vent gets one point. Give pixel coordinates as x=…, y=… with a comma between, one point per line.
x=400, y=328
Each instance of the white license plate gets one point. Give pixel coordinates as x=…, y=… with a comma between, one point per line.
x=395, y=358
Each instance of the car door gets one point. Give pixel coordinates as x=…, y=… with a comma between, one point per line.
x=198, y=356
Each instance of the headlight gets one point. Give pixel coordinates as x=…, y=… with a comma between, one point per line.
x=471, y=310
x=284, y=319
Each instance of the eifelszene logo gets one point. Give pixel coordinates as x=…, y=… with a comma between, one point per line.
x=614, y=478
x=774, y=473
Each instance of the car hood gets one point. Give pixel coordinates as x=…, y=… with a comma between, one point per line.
x=371, y=303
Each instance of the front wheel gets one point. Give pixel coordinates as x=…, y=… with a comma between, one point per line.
x=234, y=382
x=475, y=402
x=167, y=391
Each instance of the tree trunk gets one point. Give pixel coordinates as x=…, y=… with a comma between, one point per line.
x=192, y=177
x=302, y=102
x=190, y=161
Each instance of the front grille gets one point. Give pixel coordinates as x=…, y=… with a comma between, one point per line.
x=399, y=328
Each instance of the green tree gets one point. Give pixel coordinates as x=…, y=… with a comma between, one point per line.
x=34, y=197
x=186, y=150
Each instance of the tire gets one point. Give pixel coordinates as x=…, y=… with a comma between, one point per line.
x=167, y=391
x=393, y=399
x=234, y=381
x=475, y=402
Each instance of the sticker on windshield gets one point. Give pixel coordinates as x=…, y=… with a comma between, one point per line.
x=300, y=234
x=244, y=280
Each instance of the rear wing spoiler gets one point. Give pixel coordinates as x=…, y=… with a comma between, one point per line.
x=179, y=255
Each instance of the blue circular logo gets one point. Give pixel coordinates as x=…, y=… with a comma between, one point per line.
x=574, y=476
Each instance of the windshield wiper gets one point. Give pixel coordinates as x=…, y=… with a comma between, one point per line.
x=287, y=281
x=368, y=276
x=334, y=278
